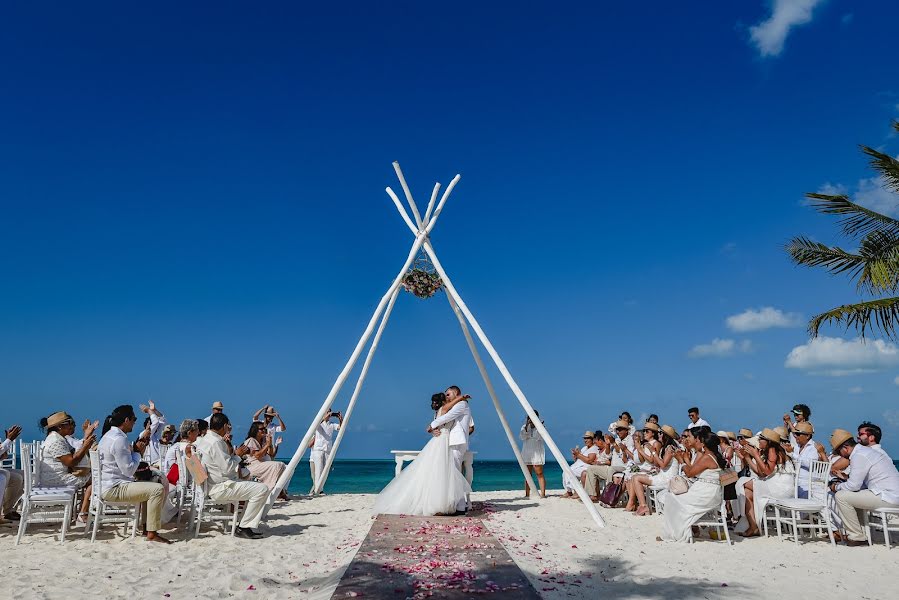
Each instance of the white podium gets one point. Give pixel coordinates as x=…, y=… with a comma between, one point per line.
x=401, y=456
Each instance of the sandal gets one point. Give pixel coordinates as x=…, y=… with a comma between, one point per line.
x=82, y=518
x=642, y=511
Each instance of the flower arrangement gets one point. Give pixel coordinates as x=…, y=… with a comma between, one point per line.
x=421, y=283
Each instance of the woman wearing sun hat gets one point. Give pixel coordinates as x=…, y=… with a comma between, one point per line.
x=776, y=474
x=665, y=461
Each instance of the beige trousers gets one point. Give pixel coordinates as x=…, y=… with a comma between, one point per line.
x=597, y=472
x=850, y=506
x=149, y=494
x=255, y=493
x=12, y=484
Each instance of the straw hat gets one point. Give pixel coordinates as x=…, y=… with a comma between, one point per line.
x=58, y=418
x=651, y=426
x=753, y=441
x=669, y=431
x=218, y=404
x=588, y=434
x=771, y=435
x=732, y=436
x=721, y=434
x=839, y=437
x=746, y=433
x=622, y=424
x=270, y=411
x=782, y=432
x=804, y=427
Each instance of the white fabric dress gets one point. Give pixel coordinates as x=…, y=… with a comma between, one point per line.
x=780, y=484
x=683, y=510
x=532, y=449
x=431, y=484
x=661, y=479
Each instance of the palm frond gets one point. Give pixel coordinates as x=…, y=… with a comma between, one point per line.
x=809, y=253
x=881, y=315
x=856, y=219
x=880, y=274
x=886, y=165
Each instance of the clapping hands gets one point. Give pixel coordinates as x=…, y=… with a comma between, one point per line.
x=13, y=432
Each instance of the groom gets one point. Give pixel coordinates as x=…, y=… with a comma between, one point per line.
x=458, y=441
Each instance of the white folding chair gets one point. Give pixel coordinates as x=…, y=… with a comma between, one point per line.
x=43, y=505
x=810, y=514
x=879, y=518
x=716, y=519
x=208, y=510
x=10, y=461
x=105, y=511
x=184, y=493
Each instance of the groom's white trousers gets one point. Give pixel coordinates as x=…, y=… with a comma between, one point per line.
x=458, y=453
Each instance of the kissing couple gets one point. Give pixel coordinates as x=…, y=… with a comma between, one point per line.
x=433, y=483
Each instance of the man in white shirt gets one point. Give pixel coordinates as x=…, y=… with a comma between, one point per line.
x=12, y=481
x=154, y=424
x=870, y=435
x=321, y=445
x=217, y=408
x=226, y=473
x=119, y=461
x=805, y=452
x=873, y=483
x=269, y=414
x=695, y=419
x=582, y=458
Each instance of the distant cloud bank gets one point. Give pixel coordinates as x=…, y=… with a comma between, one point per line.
x=762, y=318
x=837, y=357
x=720, y=348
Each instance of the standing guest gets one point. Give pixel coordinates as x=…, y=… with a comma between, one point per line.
x=626, y=417
x=226, y=474
x=695, y=419
x=154, y=424
x=269, y=414
x=534, y=454
x=321, y=445
x=259, y=457
x=801, y=412
x=217, y=409
x=873, y=483
x=61, y=464
x=582, y=458
x=653, y=419
x=704, y=467
x=119, y=461
x=776, y=474
x=12, y=481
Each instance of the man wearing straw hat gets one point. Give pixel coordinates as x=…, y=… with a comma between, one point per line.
x=873, y=483
x=217, y=408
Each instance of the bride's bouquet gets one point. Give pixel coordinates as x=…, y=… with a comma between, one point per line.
x=421, y=283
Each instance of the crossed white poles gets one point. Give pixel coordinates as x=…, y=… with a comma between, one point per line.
x=422, y=228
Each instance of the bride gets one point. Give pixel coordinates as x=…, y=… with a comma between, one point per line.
x=431, y=484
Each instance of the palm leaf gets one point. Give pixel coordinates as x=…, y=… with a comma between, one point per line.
x=880, y=274
x=886, y=165
x=856, y=219
x=809, y=253
x=881, y=315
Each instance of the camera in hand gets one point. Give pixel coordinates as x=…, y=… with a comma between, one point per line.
x=335, y=414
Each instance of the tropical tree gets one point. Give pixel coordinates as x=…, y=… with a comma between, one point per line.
x=874, y=265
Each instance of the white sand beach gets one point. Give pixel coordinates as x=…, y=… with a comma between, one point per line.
x=311, y=542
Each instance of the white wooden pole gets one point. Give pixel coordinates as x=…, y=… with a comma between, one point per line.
x=399, y=207
x=323, y=476
x=563, y=463
x=427, y=218
x=433, y=220
x=399, y=173
x=490, y=390
x=341, y=378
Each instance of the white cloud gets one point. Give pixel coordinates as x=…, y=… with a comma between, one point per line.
x=892, y=417
x=833, y=189
x=856, y=389
x=763, y=318
x=720, y=347
x=769, y=35
x=835, y=356
x=872, y=193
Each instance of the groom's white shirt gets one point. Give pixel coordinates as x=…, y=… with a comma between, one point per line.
x=461, y=414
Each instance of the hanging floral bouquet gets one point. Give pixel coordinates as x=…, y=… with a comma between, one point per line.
x=421, y=283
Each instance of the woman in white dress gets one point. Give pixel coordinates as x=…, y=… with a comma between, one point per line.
x=431, y=484
x=665, y=462
x=534, y=455
x=682, y=511
x=776, y=479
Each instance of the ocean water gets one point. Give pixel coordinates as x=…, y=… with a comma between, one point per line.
x=370, y=476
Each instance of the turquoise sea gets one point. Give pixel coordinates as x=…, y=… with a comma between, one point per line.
x=370, y=476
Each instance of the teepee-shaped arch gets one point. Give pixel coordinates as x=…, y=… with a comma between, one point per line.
x=421, y=229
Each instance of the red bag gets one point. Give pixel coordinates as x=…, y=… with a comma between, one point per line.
x=173, y=474
x=611, y=494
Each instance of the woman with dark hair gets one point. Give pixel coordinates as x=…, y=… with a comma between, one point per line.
x=534, y=454
x=259, y=458
x=776, y=473
x=682, y=511
x=665, y=461
x=63, y=465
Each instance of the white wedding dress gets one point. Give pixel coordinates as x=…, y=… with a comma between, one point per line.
x=431, y=484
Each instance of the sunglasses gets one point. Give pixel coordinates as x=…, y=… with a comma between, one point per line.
x=800, y=433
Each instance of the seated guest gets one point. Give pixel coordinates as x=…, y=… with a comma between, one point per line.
x=703, y=466
x=202, y=427
x=869, y=435
x=583, y=458
x=805, y=452
x=259, y=457
x=119, y=461
x=775, y=471
x=873, y=483
x=12, y=481
x=646, y=447
x=666, y=464
x=188, y=432
x=653, y=419
x=695, y=419
x=61, y=464
x=599, y=470
x=226, y=473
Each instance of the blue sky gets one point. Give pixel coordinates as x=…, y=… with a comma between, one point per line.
x=193, y=208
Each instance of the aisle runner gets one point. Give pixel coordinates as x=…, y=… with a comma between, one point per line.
x=443, y=557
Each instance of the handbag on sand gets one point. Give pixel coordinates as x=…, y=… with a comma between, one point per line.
x=728, y=476
x=611, y=494
x=678, y=485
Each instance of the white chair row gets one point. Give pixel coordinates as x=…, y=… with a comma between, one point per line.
x=804, y=514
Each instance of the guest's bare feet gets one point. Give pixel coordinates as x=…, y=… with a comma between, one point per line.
x=152, y=536
x=642, y=511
